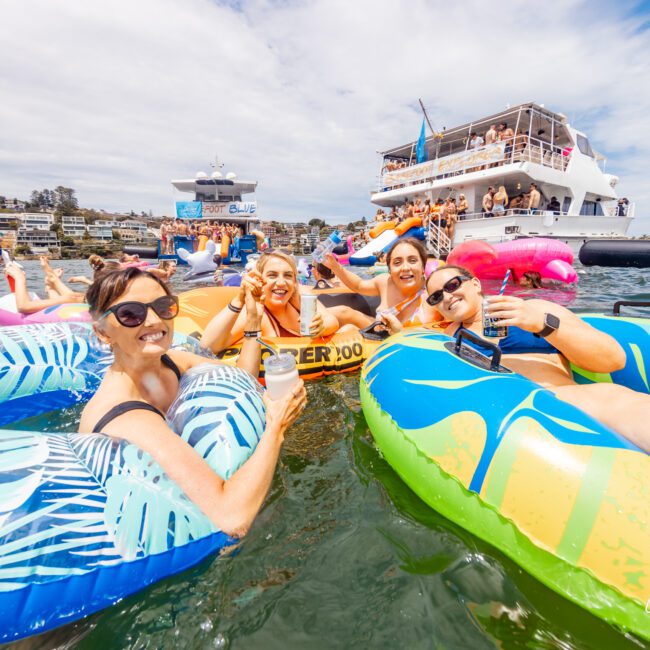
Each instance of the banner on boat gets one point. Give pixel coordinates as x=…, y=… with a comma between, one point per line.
x=448, y=165
x=200, y=210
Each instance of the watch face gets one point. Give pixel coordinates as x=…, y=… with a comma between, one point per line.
x=552, y=320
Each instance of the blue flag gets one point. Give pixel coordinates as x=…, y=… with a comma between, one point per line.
x=420, y=151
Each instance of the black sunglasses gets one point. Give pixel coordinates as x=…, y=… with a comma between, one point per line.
x=450, y=286
x=133, y=314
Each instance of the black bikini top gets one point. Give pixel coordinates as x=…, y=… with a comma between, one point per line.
x=135, y=405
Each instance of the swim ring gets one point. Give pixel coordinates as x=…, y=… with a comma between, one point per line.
x=88, y=520
x=344, y=258
x=558, y=492
x=68, y=312
x=551, y=258
x=339, y=352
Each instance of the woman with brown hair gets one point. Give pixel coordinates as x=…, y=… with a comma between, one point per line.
x=275, y=283
x=401, y=290
x=133, y=313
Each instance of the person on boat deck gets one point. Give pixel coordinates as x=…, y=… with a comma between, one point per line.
x=562, y=338
x=57, y=291
x=133, y=312
x=275, y=282
x=401, y=290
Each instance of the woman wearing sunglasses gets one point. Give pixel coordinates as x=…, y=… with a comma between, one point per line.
x=133, y=312
x=275, y=282
x=542, y=339
x=401, y=290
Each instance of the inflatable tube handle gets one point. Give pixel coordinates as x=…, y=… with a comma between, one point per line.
x=628, y=303
x=475, y=338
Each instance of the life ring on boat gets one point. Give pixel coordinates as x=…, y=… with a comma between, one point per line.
x=550, y=258
x=407, y=224
x=82, y=545
x=549, y=486
x=375, y=231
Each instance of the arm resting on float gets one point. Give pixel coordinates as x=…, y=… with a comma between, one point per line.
x=582, y=344
x=231, y=505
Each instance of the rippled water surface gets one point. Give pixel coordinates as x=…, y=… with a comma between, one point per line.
x=344, y=555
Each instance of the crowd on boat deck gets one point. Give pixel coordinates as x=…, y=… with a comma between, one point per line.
x=515, y=145
x=193, y=230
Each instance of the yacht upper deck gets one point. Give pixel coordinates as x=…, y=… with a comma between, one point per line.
x=533, y=134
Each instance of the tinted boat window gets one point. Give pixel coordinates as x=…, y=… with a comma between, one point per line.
x=584, y=146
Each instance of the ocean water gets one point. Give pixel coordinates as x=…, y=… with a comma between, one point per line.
x=344, y=555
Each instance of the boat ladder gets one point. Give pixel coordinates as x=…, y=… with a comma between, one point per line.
x=437, y=241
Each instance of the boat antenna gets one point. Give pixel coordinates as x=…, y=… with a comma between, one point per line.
x=216, y=164
x=426, y=117
x=437, y=135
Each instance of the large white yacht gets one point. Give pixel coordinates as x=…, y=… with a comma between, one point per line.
x=219, y=199
x=546, y=150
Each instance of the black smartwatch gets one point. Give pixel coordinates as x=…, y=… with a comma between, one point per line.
x=551, y=323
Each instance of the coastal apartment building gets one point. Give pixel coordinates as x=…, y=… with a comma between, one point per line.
x=38, y=240
x=73, y=226
x=139, y=227
x=100, y=231
x=36, y=220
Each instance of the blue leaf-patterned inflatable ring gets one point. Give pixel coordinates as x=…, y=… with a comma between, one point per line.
x=85, y=519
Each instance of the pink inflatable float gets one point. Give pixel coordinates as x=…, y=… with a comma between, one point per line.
x=57, y=314
x=345, y=259
x=552, y=259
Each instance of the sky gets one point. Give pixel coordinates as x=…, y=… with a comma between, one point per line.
x=116, y=97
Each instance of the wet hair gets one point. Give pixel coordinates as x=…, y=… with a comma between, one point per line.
x=166, y=264
x=109, y=286
x=325, y=273
x=533, y=279
x=411, y=241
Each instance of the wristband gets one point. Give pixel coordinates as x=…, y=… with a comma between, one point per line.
x=234, y=309
x=252, y=334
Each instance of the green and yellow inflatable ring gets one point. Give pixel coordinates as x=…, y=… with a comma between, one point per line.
x=558, y=492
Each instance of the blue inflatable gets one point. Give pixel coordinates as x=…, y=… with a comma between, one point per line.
x=86, y=519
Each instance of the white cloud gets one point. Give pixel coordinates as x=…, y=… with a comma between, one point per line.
x=115, y=98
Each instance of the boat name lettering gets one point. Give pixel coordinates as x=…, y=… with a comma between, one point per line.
x=203, y=210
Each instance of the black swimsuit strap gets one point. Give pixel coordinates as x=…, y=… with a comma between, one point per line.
x=135, y=405
x=125, y=407
x=167, y=361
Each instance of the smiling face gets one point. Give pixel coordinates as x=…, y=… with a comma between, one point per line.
x=279, y=281
x=463, y=304
x=406, y=268
x=151, y=339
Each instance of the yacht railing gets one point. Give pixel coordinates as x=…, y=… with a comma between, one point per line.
x=438, y=242
x=521, y=148
x=608, y=211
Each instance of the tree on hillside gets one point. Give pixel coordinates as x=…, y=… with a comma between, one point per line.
x=317, y=223
x=65, y=201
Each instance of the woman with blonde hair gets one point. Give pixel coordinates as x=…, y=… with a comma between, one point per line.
x=500, y=200
x=275, y=281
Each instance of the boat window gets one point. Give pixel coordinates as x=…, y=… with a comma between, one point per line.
x=584, y=146
x=591, y=209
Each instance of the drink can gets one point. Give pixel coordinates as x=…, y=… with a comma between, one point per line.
x=490, y=329
x=307, y=312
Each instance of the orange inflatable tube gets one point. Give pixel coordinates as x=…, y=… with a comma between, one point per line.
x=203, y=240
x=381, y=227
x=407, y=224
x=339, y=352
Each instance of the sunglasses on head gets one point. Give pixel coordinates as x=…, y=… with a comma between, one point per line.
x=133, y=314
x=449, y=287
